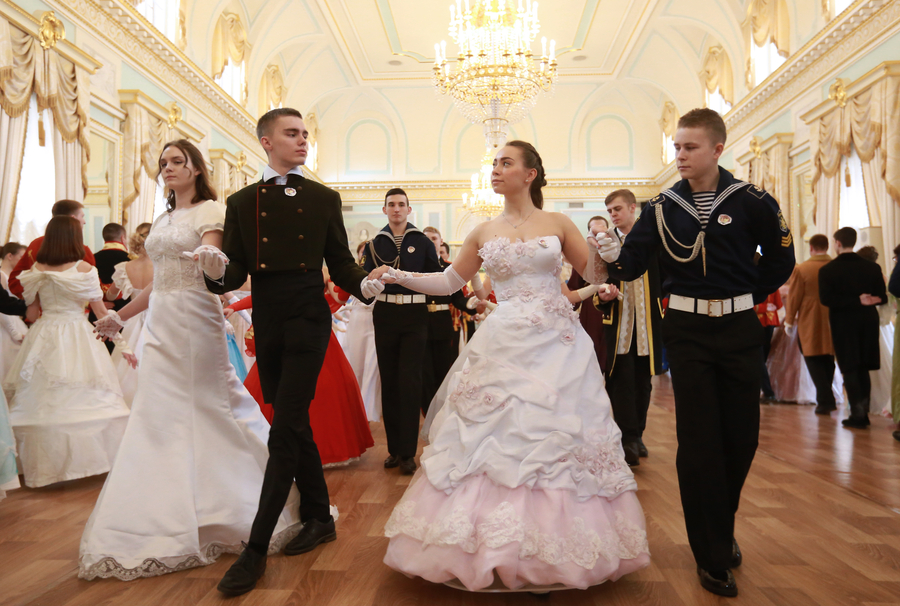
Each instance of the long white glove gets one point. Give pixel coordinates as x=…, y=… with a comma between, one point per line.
x=588, y=291
x=109, y=325
x=210, y=259
x=595, y=271
x=438, y=283
x=609, y=248
x=9, y=326
x=371, y=288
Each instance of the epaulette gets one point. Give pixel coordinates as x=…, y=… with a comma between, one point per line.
x=656, y=200
x=757, y=191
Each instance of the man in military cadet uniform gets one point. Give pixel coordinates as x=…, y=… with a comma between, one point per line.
x=442, y=348
x=401, y=320
x=279, y=231
x=632, y=331
x=705, y=231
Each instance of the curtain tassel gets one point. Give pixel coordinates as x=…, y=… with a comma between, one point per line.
x=42, y=133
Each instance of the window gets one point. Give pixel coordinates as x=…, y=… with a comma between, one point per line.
x=717, y=102
x=37, y=185
x=841, y=5
x=668, y=151
x=234, y=80
x=163, y=14
x=853, y=207
x=312, y=155
x=159, y=199
x=766, y=60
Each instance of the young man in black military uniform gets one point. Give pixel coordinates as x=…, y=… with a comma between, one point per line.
x=443, y=337
x=401, y=329
x=279, y=231
x=633, y=334
x=713, y=224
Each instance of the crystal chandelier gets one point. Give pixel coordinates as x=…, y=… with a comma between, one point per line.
x=483, y=202
x=496, y=79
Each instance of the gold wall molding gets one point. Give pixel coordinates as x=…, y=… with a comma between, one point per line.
x=118, y=24
x=13, y=13
x=838, y=43
x=887, y=69
x=50, y=30
x=161, y=112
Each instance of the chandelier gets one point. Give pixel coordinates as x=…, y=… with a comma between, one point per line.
x=483, y=202
x=496, y=79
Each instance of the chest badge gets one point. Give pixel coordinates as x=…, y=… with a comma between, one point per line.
x=411, y=249
x=290, y=191
x=543, y=243
x=724, y=220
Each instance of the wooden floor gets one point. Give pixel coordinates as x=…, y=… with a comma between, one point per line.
x=819, y=525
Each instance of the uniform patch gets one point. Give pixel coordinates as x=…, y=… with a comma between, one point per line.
x=757, y=191
x=782, y=223
x=659, y=198
x=290, y=191
x=787, y=241
x=411, y=249
x=724, y=220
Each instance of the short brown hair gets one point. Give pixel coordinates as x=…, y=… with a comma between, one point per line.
x=66, y=208
x=869, y=253
x=433, y=230
x=113, y=232
x=267, y=120
x=621, y=193
x=203, y=184
x=846, y=236
x=819, y=242
x=396, y=191
x=597, y=218
x=709, y=119
x=62, y=242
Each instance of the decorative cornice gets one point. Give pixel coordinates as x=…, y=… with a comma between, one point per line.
x=27, y=23
x=108, y=108
x=846, y=36
x=884, y=70
x=233, y=160
x=160, y=112
x=120, y=25
x=761, y=147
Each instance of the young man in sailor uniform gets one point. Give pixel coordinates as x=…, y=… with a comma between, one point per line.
x=401, y=328
x=705, y=231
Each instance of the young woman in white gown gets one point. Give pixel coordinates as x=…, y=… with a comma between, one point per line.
x=65, y=405
x=524, y=482
x=185, y=486
x=12, y=328
x=129, y=279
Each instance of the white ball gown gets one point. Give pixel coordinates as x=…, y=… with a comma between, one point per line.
x=65, y=405
x=185, y=486
x=12, y=331
x=524, y=477
x=880, y=398
x=360, y=350
x=132, y=334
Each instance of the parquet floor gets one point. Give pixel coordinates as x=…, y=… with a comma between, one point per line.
x=819, y=525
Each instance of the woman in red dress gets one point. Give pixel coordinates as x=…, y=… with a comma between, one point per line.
x=336, y=414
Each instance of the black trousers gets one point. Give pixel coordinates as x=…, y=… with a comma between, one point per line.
x=401, y=333
x=821, y=369
x=440, y=354
x=858, y=383
x=715, y=377
x=292, y=326
x=629, y=388
x=766, y=382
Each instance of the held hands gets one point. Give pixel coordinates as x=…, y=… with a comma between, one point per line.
x=608, y=292
x=867, y=300
x=379, y=274
x=108, y=326
x=608, y=246
x=228, y=312
x=371, y=288
x=210, y=259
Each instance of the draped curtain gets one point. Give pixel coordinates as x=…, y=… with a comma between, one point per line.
x=870, y=122
x=717, y=73
x=60, y=86
x=145, y=136
x=271, y=89
x=229, y=42
x=769, y=21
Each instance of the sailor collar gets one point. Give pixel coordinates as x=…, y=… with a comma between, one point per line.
x=386, y=231
x=681, y=193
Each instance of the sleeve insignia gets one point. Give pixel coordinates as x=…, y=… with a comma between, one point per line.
x=757, y=191
x=783, y=224
x=659, y=198
x=787, y=241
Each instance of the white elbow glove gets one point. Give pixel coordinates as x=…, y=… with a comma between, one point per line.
x=210, y=259
x=609, y=248
x=588, y=291
x=595, y=271
x=438, y=283
x=371, y=288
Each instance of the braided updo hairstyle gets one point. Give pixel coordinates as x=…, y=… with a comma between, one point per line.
x=532, y=159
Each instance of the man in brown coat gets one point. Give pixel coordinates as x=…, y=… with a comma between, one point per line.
x=815, y=332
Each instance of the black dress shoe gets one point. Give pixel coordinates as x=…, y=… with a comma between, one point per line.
x=736, y=557
x=408, y=466
x=244, y=573
x=391, y=462
x=856, y=422
x=896, y=435
x=642, y=450
x=825, y=411
x=632, y=456
x=726, y=588
x=313, y=534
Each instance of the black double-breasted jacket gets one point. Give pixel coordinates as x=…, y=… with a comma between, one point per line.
x=286, y=228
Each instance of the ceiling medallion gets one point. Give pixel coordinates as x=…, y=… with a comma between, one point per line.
x=496, y=79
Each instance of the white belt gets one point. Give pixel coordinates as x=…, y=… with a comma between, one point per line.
x=714, y=308
x=438, y=307
x=400, y=299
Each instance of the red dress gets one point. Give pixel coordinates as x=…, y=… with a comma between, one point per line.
x=337, y=415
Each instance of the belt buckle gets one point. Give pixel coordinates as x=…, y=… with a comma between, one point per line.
x=398, y=299
x=709, y=308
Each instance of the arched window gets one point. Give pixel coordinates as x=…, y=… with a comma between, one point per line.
x=718, y=80
x=852, y=205
x=766, y=59
x=668, y=124
x=163, y=14
x=230, y=50
x=271, y=89
x=768, y=34
x=37, y=184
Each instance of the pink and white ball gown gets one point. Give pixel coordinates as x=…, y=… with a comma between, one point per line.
x=524, y=476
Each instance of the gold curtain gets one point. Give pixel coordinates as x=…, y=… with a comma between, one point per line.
x=769, y=21
x=717, y=73
x=22, y=69
x=669, y=120
x=145, y=136
x=229, y=42
x=69, y=98
x=271, y=89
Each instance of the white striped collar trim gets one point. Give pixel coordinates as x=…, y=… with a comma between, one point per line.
x=692, y=210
